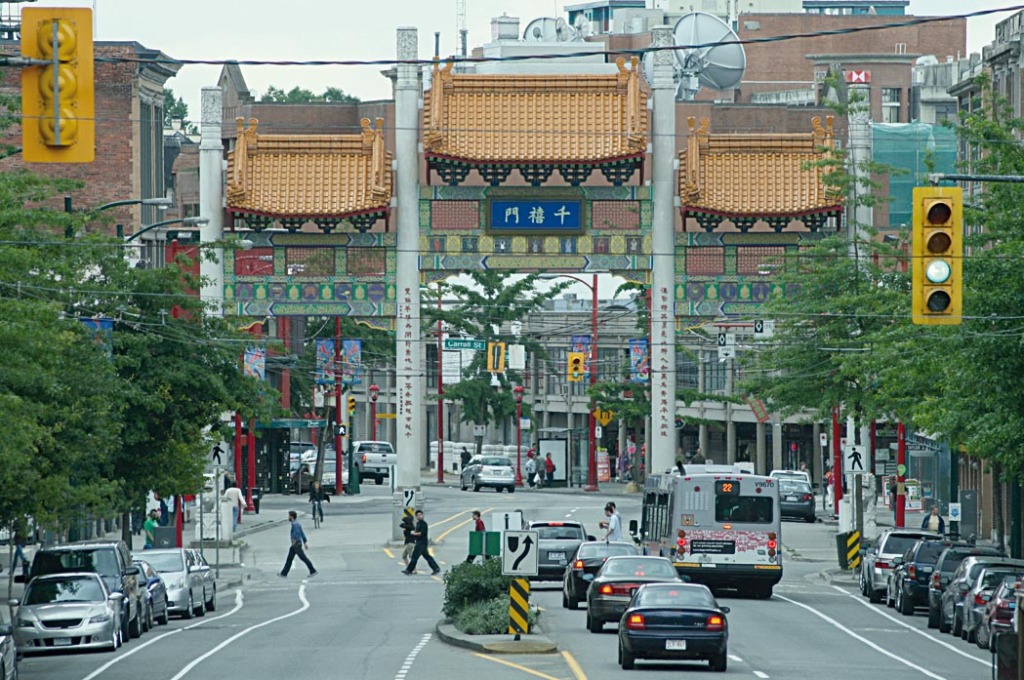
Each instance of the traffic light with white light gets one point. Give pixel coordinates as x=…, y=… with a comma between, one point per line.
x=937, y=266
x=351, y=405
x=575, y=367
x=57, y=99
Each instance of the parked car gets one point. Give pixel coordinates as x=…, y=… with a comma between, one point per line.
x=68, y=611
x=8, y=650
x=184, y=584
x=799, y=475
x=796, y=499
x=156, y=593
x=556, y=542
x=585, y=563
x=616, y=582
x=976, y=599
x=302, y=479
x=493, y=471
x=374, y=459
x=998, y=615
x=112, y=561
x=877, y=562
x=674, y=621
x=209, y=579
x=951, y=605
x=948, y=560
x=909, y=581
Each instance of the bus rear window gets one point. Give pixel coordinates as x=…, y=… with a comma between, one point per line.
x=744, y=509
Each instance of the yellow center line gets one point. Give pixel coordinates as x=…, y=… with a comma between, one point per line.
x=574, y=666
x=459, y=525
x=449, y=519
x=516, y=666
x=389, y=553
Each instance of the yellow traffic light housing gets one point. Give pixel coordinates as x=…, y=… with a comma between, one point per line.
x=575, y=367
x=351, y=405
x=937, y=271
x=57, y=99
x=496, y=357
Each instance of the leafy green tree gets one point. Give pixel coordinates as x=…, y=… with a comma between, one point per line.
x=300, y=95
x=487, y=308
x=175, y=107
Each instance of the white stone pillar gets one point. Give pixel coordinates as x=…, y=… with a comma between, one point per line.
x=663, y=334
x=211, y=197
x=761, y=464
x=862, y=216
x=776, y=444
x=410, y=376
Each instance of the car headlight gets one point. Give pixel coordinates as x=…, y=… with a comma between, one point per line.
x=177, y=583
x=24, y=622
x=100, y=618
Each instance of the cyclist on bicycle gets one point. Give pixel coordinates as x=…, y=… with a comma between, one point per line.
x=317, y=496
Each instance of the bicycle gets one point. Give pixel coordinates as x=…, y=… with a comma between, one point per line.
x=318, y=514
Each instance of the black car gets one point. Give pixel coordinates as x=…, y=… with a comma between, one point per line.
x=674, y=621
x=947, y=563
x=156, y=594
x=951, y=617
x=112, y=561
x=617, y=580
x=796, y=499
x=913, y=573
x=584, y=565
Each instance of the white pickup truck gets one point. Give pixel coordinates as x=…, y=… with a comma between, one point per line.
x=374, y=459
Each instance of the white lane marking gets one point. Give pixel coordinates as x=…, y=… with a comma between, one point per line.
x=195, y=662
x=862, y=639
x=735, y=658
x=761, y=674
x=407, y=664
x=139, y=648
x=945, y=644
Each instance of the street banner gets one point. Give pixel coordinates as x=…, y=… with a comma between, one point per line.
x=255, y=364
x=759, y=409
x=352, y=362
x=639, y=361
x=102, y=331
x=581, y=343
x=604, y=473
x=324, y=360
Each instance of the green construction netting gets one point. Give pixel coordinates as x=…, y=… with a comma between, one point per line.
x=908, y=146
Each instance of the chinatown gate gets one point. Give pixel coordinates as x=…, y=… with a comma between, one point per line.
x=518, y=173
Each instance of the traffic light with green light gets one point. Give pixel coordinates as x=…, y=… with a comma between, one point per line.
x=575, y=367
x=938, y=248
x=57, y=104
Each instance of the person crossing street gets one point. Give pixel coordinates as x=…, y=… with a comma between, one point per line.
x=299, y=541
x=420, y=533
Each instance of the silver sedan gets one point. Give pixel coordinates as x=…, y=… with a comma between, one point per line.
x=184, y=580
x=67, y=611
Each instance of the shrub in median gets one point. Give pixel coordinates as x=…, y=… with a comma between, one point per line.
x=466, y=584
x=487, y=618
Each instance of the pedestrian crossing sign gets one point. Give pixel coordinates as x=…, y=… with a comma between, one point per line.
x=855, y=459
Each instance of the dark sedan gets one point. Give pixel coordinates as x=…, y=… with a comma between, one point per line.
x=616, y=582
x=998, y=615
x=556, y=542
x=584, y=565
x=156, y=594
x=674, y=621
x=796, y=499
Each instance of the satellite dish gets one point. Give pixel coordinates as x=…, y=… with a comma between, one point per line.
x=712, y=54
x=544, y=29
x=582, y=27
x=563, y=30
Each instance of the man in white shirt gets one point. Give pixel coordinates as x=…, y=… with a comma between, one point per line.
x=614, y=523
x=234, y=494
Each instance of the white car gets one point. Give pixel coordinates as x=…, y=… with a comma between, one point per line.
x=493, y=471
x=801, y=475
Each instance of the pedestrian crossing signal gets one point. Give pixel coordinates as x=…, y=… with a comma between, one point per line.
x=575, y=367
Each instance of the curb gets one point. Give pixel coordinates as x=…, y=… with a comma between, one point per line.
x=260, y=527
x=532, y=644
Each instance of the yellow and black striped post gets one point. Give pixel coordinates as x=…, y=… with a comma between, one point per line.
x=853, y=550
x=518, y=606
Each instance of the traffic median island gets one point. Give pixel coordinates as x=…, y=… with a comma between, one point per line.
x=495, y=643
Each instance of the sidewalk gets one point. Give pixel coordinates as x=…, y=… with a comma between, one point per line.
x=451, y=479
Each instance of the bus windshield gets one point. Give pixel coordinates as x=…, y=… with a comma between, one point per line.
x=744, y=509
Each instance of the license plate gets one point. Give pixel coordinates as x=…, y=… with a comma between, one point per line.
x=61, y=642
x=560, y=556
x=675, y=644
x=790, y=498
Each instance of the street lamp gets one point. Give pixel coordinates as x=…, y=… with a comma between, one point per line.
x=374, y=393
x=162, y=203
x=518, y=392
x=592, y=421
x=187, y=221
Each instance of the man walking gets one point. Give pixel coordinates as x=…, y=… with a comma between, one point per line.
x=237, y=500
x=934, y=521
x=613, y=526
x=422, y=547
x=299, y=541
x=478, y=526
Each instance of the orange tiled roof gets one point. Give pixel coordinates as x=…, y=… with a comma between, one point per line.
x=314, y=176
x=541, y=119
x=755, y=175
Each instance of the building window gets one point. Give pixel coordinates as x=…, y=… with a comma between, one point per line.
x=891, y=99
x=714, y=373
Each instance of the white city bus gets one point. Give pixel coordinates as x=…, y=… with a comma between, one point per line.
x=722, y=529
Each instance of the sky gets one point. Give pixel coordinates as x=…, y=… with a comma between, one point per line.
x=346, y=29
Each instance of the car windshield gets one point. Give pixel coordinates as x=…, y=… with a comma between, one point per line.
x=375, y=447
x=48, y=591
x=559, y=533
x=497, y=461
x=788, y=486
x=929, y=552
x=606, y=550
x=639, y=566
x=98, y=560
x=993, y=577
x=167, y=562
x=899, y=544
x=675, y=597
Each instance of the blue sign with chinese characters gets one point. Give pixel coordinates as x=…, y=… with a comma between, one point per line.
x=537, y=216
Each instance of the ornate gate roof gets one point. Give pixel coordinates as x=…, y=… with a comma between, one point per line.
x=750, y=177
x=310, y=177
x=547, y=121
